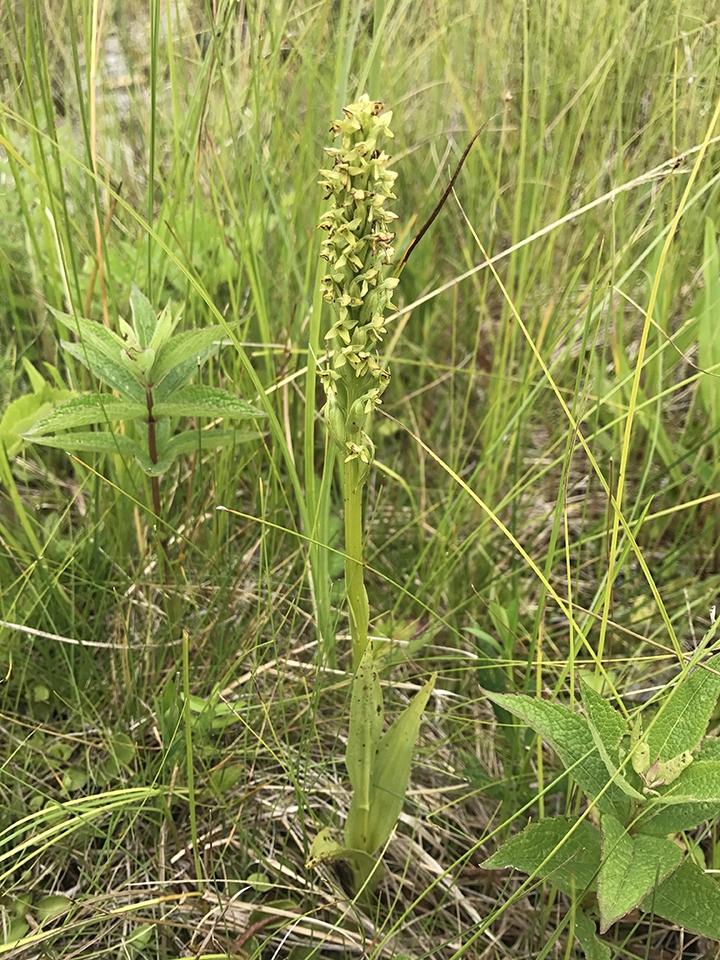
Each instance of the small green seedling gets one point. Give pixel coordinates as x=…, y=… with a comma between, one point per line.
x=645, y=788
x=149, y=369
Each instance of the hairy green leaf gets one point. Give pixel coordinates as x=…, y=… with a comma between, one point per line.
x=689, y=898
x=709, y=750
x=144, y=318
x=693, y=798
x=608, y=723
x=111, y=443
x=138, y=363
x=607, y=728
x=91, y=332
x=586, y=935
x=181, y=374
x=631, y=866
x=111, y=372
x=683, y=716
x=85, y=409
x=570, y=737
x=202, y=401
x=192, y=345
x=565, y=851
x=53, y=906
x=163, y=330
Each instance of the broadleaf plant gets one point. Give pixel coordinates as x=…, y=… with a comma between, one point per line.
x=358, y=249
x=646, y=788
x=149, y=369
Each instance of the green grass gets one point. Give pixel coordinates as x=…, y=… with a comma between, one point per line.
x=180, y=149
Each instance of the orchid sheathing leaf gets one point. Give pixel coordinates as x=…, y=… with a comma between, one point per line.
x=378, y=764
x=366, y=723
x=391, y=768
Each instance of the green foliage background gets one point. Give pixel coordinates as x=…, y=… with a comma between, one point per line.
x=177, y=146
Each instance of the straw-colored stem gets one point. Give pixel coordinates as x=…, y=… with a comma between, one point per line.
x=354, y=572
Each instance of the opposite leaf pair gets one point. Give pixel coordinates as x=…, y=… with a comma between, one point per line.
x=149, y=369
x=647, y=789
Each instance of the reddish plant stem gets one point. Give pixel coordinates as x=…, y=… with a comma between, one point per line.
x=154, y=480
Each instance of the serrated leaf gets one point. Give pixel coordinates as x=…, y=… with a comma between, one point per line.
x=181, y=374
x=138, y=363
x=85, y=409
x=609, y=724
x=202, y=401
x=92, y=334
x=366, y=723
x=689, y=898
x=607, y=728
x=586, y=935
x=692, y=799
x=391, y=770
x=631, y=866
x=110, y=371
x=570, y=846
x=109, y=443
x=129, y=336
x=709, y=750
x=570, y=737
x=144, y=318
x=682, y=718
x=192, y=345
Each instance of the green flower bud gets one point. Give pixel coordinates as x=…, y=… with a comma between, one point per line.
x=335, y=420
